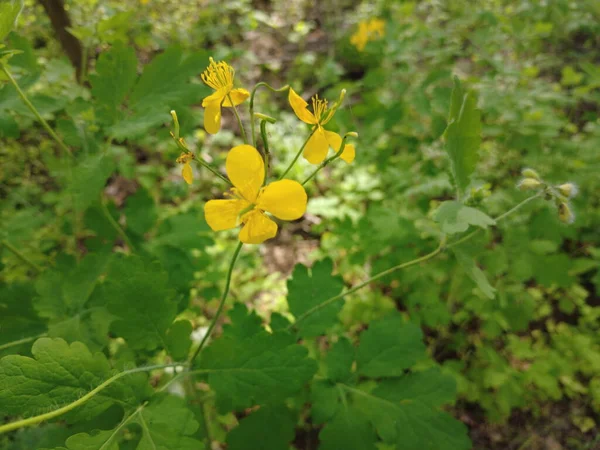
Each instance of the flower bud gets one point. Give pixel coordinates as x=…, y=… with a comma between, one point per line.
x=528, y=184
x=565, y=214
x=530, y=173
x=568, y=190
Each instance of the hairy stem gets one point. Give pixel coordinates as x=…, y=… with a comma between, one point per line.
x=239, y=120
x=69, y=407
x=213, y=323
x=262, y=83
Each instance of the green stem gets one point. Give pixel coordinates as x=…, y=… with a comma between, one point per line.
x=262, y=83
x=21, y=256
x=35, y=111
x=114, y=223
x=327, y=161
x=21, y=341
x=442, y=246
x=265, y=139
x=239, y=120
x=298, y=154
x=69, y=407
x=183, y=147
x=221, y=304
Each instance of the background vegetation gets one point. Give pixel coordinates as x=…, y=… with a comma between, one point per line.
x=92, y=237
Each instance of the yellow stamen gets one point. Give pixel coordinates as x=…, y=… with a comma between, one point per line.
x=320, y=109
x=218, y=75
x=185, y=158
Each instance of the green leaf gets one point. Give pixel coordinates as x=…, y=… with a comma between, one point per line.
x=474, y=272
x=138, y=124
x=89, y=179
x=454, y=217
x=167, y=424
x=179, y=340
x=104, y=440
x=138, y=294
x=246, y=370
x=140, y=211
x=269, y=428
x=339, y=360
x=310, y=287
x=116, y=71
x=348, y=430
x=324, y=397
x=463, y=134
x=59, y=374
x=388, y=347
x=9, y=12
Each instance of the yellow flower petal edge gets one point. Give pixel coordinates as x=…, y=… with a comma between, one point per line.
x=317, y=147
x=187, y=174
x=300, y=108
x=238, y=96
x=285, y=199
x=349, y=153
x=257, y=228
x=224, y=214
x=246, y=170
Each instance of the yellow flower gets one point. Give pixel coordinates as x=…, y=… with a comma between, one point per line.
x=219, y=76
x=186, y=171
x=284, y=199
x=318, y=145
x=369, y=30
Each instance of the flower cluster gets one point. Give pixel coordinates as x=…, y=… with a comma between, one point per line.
x=251, y=200
x=368, y=30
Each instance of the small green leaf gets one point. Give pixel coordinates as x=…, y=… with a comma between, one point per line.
x=9, y=13
x=463, y=135
x=179, y=340
x=89, y=179
x=269, y=428
x=310, y=287
x=474, y=272
x=348, y=430
x=454, y=217
x=339, y=360
x=94, y=441
x=388, y=347
x=140, y=211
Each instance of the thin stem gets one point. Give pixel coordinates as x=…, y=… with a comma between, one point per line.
x=221, y=304
x=298, y=154
x=69, y=407
x=21, y=341
x=213, y=170
x=35, y=112
x=328, y=160
x=265, y=139
x=262, y=83
x=330, y=300
x=442, y=246
x=21, y=256
x=239, y=120
x=114, y=223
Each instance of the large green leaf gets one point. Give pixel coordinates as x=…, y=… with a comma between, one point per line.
x=9, y=12
x=269, y=428
x=463, y=135
x=454, y=217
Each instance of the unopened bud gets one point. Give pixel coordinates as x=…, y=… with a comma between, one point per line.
x=530, y=173
x=568, y=190
x=175, y=133
x=565, y=214
x=353, y=134
x=528, y=184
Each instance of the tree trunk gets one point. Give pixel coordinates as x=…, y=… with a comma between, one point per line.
x=60, y=22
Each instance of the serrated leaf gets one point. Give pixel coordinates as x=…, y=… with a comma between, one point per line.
x=339, y=360
x=9, y=12
x=388, y=347
x=463, y=134
x=115, y=75
x=140, y=211
x=324, y=397
x=255, y=370
x=178, y=339
x=59, y=374
x=454, y=217
x=138, y=124
x=310, y=287
x=348, y=430
x=89, y=179
x=474, y=272
x=138, y=294
x=96, y=440
x=269, y=428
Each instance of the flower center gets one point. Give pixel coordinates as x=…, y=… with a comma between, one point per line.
x=218, y=75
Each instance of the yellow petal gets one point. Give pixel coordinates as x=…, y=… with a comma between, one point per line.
x=258, y=228
x=334, y=140
x=246, y=170
x=212, y=117
x=285, y=199
x=238, y=96
x=316, y=147
x=348, y=153
x=223, y=214
x=299, y=106
x=187, y=173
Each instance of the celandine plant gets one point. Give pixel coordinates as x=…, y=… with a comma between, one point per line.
x=380, y=388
